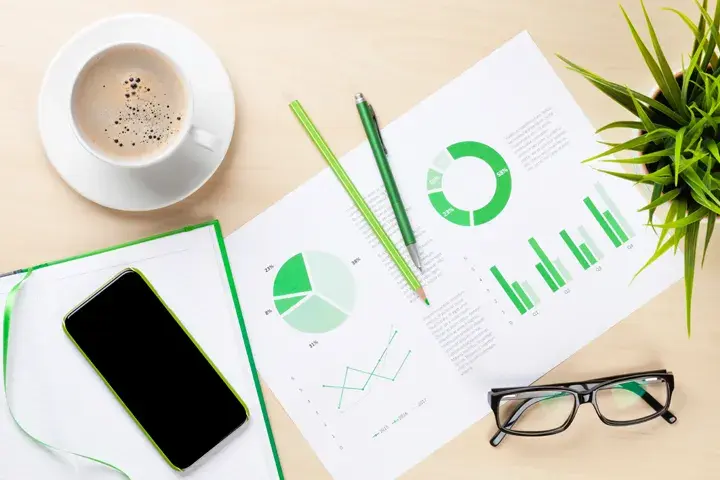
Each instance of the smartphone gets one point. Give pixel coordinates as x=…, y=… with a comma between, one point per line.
x=156, y=369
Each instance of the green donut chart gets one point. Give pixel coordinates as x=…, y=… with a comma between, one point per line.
x=503, y=184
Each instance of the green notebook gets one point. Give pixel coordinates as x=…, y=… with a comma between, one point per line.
x=190, y=269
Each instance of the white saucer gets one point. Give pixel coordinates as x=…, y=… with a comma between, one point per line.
x=155, y=186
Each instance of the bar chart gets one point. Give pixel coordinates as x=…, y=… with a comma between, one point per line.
x=612, y=221
x=579, y=241
x=553, y=272
x=586, y=252
x=522, y=296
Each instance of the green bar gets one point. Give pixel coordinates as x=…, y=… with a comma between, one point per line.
x=614, y=224
x=588, y=254
x=614, y=209
x=546, y=261
x=574, y=249
x=590, y=243
x=508, y=290
x=531, y=293
x=526, y=301
x=601, y=220
x=546, y=276
x=563, y=271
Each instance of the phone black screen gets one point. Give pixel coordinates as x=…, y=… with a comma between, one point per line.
x=154, y=367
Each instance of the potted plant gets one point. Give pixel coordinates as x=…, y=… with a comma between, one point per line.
x=677, y=144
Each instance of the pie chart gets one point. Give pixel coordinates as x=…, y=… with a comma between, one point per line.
x=480, y=153
x=314, y=292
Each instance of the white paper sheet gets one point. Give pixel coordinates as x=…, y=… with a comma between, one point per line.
x=57, y=396
x=374, y=379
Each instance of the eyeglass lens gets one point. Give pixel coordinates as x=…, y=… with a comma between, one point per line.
x=540, y=411
x=629, y=400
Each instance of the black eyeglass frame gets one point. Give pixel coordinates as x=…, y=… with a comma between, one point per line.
x=584, y=392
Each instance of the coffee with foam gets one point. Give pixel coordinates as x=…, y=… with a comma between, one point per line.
x=129, y=103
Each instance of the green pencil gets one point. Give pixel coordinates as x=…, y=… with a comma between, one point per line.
x=360, y=203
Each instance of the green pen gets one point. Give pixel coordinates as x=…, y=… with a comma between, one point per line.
x=358, y=200
x=372, y=131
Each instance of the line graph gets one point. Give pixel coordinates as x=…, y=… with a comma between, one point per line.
x=369, y=375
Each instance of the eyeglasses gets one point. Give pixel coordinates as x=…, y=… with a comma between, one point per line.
x=621, y=400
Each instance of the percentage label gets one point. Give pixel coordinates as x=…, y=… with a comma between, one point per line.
x=355, y=261
x=312, y=344
x=269, y=268
x=448, y=212
x=268, y=312
x=502, y=172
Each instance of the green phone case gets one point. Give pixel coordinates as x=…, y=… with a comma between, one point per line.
x=107, y=384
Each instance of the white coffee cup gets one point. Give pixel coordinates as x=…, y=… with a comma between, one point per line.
x=188, y=133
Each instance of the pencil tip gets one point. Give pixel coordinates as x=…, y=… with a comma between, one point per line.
x=427, y=302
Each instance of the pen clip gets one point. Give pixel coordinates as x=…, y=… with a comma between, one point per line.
x=377, y=128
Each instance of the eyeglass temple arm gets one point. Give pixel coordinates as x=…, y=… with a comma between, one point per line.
x=519, y=410
x=634, y=388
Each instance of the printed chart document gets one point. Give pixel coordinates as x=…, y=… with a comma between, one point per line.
x=528, y=255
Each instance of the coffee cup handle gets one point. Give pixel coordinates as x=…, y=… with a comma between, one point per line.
x=204, y=138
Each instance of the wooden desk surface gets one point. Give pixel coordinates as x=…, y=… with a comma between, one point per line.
x=277, y=50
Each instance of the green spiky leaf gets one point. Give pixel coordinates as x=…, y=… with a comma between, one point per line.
x=696, y=184
x=679, y=215
x=695, y=30
x=701, y=200
x=687, y=220
x=640, y=148
x=662, y=178
x=665, y=88
x=647, y=158
x=656, y=193
x=713, y=25
x=687, y=164
x=659, y=252
x=641, y=112
x=678, y=153
x=688, y=74
x=621, y=124
x=621, y=92
x=701, y=28
x=672, y=211
x=696, y=130
x=691, y=240
x=712, y=216
x=661, y=199
x=641, y=141
x=714, y=37
x=673, y=89
x=713, y=149
x=633, y=177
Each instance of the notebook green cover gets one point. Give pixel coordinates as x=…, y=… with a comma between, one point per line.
x=215, y=224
